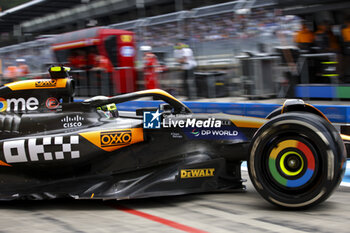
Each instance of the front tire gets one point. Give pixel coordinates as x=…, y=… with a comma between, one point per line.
x=297, y=160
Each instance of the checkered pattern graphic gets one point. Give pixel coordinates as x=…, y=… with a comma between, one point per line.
x=43, y=147
x=67, y=148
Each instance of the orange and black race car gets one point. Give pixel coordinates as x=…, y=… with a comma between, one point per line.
x=54, y=147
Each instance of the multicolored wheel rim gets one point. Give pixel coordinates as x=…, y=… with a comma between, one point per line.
x=3, y=105
x=291, y=163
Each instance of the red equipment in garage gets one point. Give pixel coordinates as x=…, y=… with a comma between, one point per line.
x=110, y=51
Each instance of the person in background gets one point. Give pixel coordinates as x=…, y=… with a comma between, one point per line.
x=346, y=33
x=100, y=71
x=304, y=38
x=10, y=74
x=326, y=68
x=345, y=42
x=92, y=58
x=78, y=59
x=72, y=59
x=150, y=66
x=103, y=63
x=22, y=69
x=325, y=40
x=184, y=56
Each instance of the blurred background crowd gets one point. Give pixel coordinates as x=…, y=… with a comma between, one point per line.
x=224, y=26
x=254, y=48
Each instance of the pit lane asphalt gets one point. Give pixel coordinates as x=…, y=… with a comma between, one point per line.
x=218, y=212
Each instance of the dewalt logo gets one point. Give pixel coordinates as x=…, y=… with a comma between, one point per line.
x=46, y=83
x=115, y=138
x=194, y=173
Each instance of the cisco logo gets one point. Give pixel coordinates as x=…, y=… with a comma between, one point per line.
x=72, y=122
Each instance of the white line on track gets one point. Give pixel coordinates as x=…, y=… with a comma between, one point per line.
x=345, y=184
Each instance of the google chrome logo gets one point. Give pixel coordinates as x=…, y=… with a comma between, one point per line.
x=3, y=104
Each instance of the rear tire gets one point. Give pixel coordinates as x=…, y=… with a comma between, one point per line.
x=297, y=160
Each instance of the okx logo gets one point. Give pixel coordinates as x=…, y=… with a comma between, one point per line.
x=151, y=120
x=115, y=138
x=46, y=83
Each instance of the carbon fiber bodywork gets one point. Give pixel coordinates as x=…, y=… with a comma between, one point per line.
x=41, y=159
x=76, y=149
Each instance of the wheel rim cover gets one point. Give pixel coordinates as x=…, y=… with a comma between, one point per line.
x=282, y=174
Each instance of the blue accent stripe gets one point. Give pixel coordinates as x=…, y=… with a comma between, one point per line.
x=316, y=91
x=347, y=172
x=335, y=113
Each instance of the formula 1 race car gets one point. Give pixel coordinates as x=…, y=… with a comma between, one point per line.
x=54, y=147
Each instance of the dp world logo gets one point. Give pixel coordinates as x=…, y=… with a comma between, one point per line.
x=151, y=120
x=195, y=132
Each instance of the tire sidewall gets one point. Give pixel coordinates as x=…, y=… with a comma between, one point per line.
x=325, y=140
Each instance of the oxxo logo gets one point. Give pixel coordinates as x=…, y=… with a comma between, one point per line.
x=19, y=104
x=46, y=83
x=115, y=138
